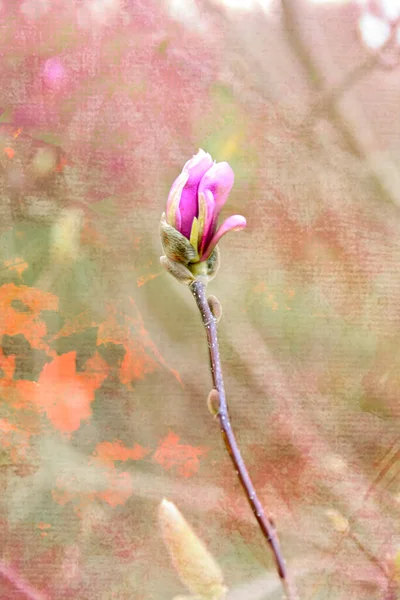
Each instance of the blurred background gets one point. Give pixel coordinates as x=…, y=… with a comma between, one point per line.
x=103, y=364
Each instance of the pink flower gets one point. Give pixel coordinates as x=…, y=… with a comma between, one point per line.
x=195, y=201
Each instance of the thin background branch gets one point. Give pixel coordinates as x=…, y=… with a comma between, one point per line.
x=15, y=580
x=348, y=125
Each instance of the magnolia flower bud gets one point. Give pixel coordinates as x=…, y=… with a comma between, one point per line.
x=189, y=229
x=194, y=564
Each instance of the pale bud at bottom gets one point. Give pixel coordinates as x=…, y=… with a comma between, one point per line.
x=196, y=567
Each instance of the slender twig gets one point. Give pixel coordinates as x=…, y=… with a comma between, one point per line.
x=373, y=61
x=348, y=126
x=198, y=290
x=14, y=579
x=370, y=556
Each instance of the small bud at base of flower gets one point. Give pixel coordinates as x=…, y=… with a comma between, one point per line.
x=175, y=245
x=178, y=270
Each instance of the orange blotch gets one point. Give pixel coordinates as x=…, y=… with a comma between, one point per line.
x=6, y=427
x=16, y=264
x=119, y=488
x=92, y=237
x=114, y=329
x=15, y=440
x=148, y=343
x=260, y=287
x=65, y=395
x=26, y=322
x=141, y=354
x=17, y=132
x=145, y=278
x=109, y=452
x=137, y=241
x=78, y=324
x=185, y=458
x=23, y=393
x=10, y=152
x=61, y=496
x=7, y=365
x=110, y=486
x=70, y=489
x=17, y=393
x=43, y=525
x=61, y=164
x=136, y=365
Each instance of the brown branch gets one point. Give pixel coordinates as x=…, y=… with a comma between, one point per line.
x=198, y=290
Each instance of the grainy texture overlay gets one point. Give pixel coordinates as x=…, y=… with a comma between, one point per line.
x=104, y=372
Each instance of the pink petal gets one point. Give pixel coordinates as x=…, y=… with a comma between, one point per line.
x=174, y=196
x=234, y=223
x=219, y=180
x=195, y=168
x=198, y=165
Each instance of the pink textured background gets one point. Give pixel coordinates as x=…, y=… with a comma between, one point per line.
x=103, y=363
